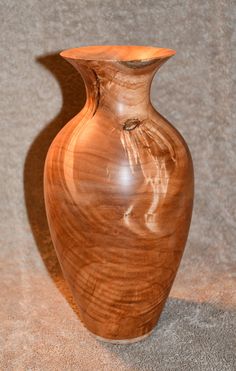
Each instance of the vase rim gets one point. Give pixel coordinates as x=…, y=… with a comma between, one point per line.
x=126, y=53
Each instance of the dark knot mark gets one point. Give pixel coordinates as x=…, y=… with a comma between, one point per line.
x=131, y=124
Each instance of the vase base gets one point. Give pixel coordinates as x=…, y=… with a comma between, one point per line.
x=122, y=341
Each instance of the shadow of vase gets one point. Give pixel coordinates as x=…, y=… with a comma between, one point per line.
x=74, y=96
x=189, y=336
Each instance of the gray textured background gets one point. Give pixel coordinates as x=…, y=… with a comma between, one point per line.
x=195, y=90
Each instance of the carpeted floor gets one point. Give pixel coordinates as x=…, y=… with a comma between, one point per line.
x=39, y=324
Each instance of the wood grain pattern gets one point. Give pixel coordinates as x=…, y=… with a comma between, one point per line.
x=119, y=192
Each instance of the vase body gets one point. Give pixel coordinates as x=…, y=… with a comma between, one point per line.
x=118, y=186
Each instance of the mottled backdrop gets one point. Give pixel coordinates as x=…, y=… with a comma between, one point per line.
x=195, y=90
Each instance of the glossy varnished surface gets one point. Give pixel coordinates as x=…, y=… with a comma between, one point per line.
x=118, y=192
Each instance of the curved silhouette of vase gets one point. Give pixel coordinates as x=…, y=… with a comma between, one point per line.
x=118, y=188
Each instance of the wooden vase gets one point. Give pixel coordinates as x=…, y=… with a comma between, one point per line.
x=118, y=188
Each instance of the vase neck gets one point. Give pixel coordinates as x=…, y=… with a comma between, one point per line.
x=119, y=89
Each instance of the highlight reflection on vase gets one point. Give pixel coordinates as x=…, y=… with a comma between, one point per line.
x=119, y=193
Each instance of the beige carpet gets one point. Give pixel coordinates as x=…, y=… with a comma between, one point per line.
x=195, y=90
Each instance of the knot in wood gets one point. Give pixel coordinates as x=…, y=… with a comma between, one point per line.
x=131, y=124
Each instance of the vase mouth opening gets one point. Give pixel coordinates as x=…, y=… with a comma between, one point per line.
x=120, y=53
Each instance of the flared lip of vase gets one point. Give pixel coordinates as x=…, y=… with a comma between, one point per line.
x=121, y=53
